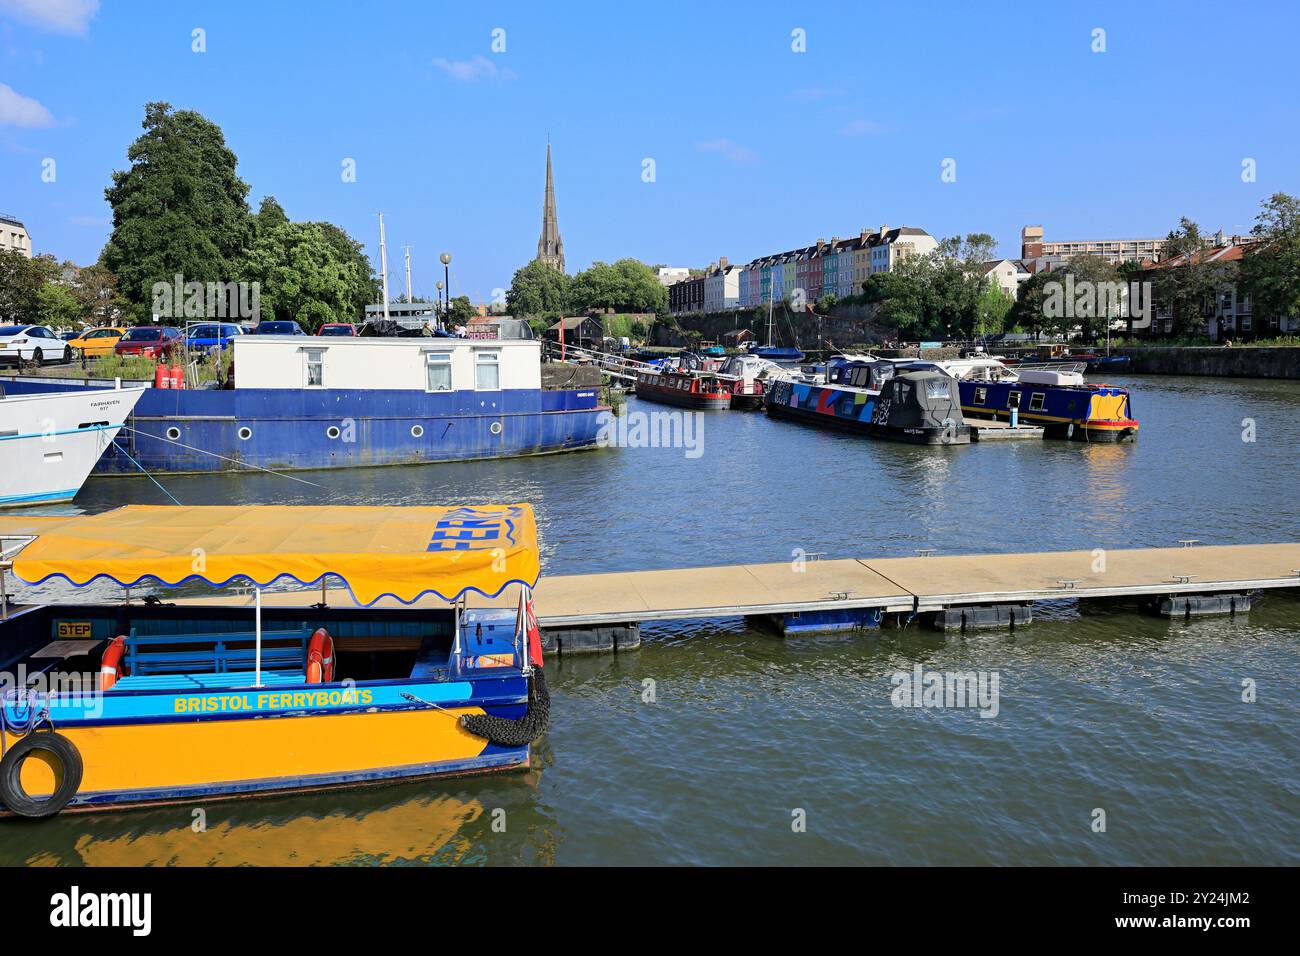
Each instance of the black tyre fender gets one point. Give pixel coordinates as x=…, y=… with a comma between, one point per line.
x=68, y=766
x=38, y=358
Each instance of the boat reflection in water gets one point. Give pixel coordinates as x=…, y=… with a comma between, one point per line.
x=417, y=827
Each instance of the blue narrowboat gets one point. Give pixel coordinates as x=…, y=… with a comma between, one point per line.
x=1053, y=395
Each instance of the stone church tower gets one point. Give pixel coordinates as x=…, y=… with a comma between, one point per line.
x=550, y=248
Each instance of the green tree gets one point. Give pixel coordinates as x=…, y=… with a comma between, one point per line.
x=308, y=271
x=1270, y=267
x=21, y=281
x=991, y=313
x=625, y=286
x=57, y=306
x=97, y=294
x=179, y=209
x=899, y=298
x=538, y=290
x=1189, y=281
x=937, y=295
x=461, y=310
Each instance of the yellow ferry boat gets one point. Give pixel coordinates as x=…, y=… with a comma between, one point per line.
x=119, y=704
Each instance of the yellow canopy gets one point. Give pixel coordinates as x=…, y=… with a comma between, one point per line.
x=377, y=551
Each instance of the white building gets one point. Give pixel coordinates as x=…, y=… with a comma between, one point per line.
x=1007, y=273
x=888, y=246
x=13, y=235
x=722, y=287
x=667, y=275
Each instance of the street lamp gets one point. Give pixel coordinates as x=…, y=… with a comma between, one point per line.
x=445, y=259
x=439, y=285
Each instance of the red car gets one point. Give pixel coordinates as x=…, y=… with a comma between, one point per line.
x=153, y=341
x=336, y=328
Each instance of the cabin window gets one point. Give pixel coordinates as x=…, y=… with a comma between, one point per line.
x=1036, y=401
x=438, y=368
x=315, y=367
x=981, y=395
x=487, y=371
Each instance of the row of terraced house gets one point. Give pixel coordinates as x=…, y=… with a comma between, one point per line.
x=838, y=268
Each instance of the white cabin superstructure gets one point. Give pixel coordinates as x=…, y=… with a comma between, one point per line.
x=431, y=364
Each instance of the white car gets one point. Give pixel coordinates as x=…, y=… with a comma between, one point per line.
x=31, y=343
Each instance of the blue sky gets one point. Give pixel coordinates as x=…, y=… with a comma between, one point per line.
x=756, y=148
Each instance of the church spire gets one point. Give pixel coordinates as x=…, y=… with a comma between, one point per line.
x=550, y=247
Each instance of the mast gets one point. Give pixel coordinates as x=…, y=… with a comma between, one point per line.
x=383, y=262
x=408, y=274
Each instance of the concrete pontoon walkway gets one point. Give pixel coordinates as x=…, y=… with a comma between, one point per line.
x=926, y=583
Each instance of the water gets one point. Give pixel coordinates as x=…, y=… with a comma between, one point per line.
x=1101, y=706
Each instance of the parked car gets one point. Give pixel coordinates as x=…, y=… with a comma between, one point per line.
x=97, y=341
x=279, y=327
x=211, y=336
x=337, y=328
x=31, y=343
x=152, y=341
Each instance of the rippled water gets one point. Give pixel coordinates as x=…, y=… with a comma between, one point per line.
x=1101, y=706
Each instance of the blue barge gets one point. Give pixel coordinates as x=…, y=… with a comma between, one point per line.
x=307, y=403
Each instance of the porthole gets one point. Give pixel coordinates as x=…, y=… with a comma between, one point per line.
x=245, y=433
x=333, y=431
x=173, y=433
x=417, y=431
x=496, y=428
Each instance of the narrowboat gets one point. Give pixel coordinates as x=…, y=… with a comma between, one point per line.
x=1053, y=395
x=111, y=705
x=877, y=399
x=303, y=402
x=49, y=443
x=697, y=390
x=750, y=378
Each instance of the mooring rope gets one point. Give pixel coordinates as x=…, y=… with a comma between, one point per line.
x=204, y=451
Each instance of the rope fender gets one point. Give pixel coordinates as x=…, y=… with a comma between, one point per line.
x=519, y=732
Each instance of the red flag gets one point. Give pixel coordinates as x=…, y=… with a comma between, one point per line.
x=534, y=633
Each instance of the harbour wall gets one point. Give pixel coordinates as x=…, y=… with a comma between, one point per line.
x=1236, y=362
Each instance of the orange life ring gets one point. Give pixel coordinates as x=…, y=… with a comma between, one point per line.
x=111, y=667
x=320, y=657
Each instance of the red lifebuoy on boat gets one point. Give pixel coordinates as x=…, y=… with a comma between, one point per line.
x=111, y=667
x=320, y=657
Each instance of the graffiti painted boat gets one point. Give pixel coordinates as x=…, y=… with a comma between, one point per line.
x=879, y=400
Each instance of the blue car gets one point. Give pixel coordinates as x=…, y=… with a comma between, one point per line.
x=279, y=327
x=211, y=336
